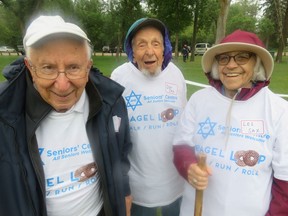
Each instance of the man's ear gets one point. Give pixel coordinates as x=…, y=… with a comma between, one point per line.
x=29, y=66
x=90, y=64
x=27, y=63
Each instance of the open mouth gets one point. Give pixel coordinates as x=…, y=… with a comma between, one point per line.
x=149, y=62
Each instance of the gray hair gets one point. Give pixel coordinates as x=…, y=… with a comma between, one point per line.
x=259, y=70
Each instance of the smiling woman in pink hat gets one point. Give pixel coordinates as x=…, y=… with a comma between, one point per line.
x=241, y=126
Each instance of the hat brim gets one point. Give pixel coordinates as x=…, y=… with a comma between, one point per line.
x=265, y=56
x=148, y=22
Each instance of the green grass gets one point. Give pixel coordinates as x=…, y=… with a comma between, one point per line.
x=191, y=71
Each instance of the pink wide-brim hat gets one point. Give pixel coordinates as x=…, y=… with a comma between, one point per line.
x=239, y=41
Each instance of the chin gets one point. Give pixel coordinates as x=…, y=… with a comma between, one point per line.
x=62, y=109
x=153, y=73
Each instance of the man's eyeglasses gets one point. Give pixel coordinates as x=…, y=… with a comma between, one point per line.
x=51, y=72
x=240, y=58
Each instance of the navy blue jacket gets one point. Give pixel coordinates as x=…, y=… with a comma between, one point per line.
x=22, y=182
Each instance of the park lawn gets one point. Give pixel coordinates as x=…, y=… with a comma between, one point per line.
x=191, y=71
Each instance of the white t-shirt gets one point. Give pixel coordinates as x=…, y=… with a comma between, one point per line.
x=154, y=106
x=243, y=147
x=71, y=176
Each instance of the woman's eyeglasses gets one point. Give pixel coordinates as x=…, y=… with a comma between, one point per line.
x=240, y=58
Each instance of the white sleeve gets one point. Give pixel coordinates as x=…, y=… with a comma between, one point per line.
x=280, y=149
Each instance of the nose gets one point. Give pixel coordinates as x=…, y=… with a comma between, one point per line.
x=232, y=63
x=149, y=50
x=62, y=83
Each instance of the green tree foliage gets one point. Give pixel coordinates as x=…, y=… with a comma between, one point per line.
x=204, y=14
x=202, y=20
x=266, y=30
x=17, y=14
x=122, y=14
x=9, y=30
x=243, y=15
x=14, y=15
x=176, y=14
x=207, y=25
x=21, y=10
x=189, y=21
x=62, y=7
x=277, y=12
x=92, y=16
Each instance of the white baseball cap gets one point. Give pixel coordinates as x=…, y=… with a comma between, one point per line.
x=45, y=26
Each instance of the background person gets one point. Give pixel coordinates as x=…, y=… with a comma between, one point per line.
x=63, y=129
x=155, y=94
x=185, y=53
x=242, y=128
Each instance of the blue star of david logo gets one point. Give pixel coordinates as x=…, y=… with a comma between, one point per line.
x=41, y=150
x=206, y=128
x=133, y=100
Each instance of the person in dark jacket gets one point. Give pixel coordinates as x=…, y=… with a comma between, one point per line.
x=185, y=52
x=64, y=133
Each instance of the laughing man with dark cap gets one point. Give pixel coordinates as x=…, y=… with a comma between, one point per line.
x=155, y=95
x=64, y=135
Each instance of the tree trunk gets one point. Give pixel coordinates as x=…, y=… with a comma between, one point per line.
x=119, y=40
x=285, y=26
x=280, y=30
x=195, y=29
x=222, y=18
x=176, y=46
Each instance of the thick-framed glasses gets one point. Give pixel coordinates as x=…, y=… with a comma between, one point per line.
x=240, y=58
x=51, y=72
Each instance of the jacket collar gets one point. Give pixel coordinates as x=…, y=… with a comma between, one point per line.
x=12, y=91
x=99, y=89
x=18, y=94
x=36, y=107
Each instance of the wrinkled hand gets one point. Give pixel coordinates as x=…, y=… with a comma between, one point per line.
x=128, y=201
x=198, y=178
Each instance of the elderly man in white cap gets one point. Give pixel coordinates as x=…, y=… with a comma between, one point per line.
x=63, y=129
x=155, y=94
x=241, y=126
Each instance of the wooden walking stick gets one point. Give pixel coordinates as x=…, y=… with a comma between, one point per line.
x=199, y=193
